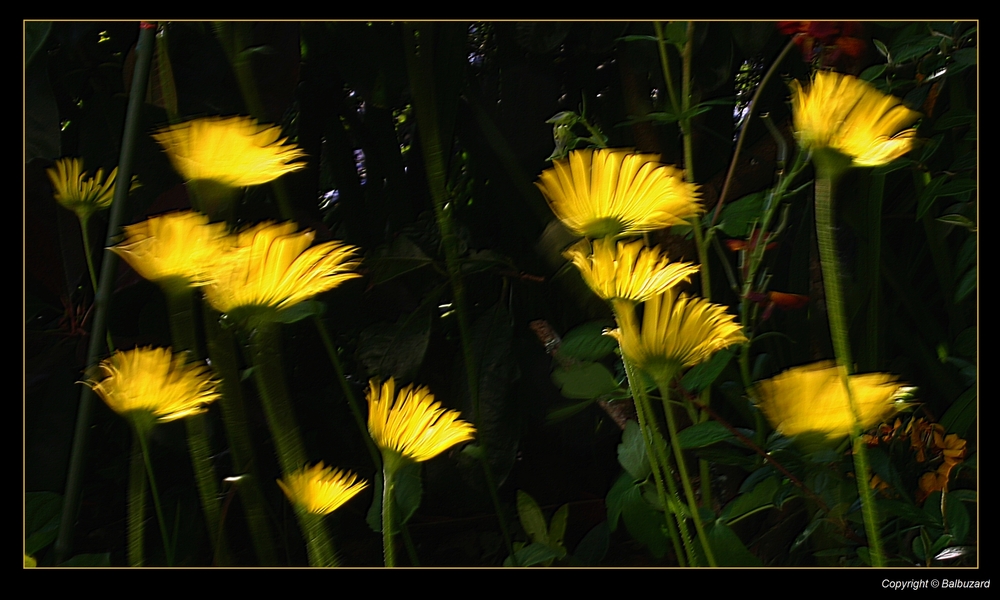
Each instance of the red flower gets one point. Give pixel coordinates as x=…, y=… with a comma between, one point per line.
x=813, y=37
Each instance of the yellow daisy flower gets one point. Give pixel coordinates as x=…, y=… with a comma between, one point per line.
x=847, y=115
x=83, y=196
x=319, y=489
x=271, y=266
x=812, y=398
x=677, y=331
x=231, y=151
x=605, y=192
x=149, y=384
x=627, y=270
x=412, y=424
x=173, y=247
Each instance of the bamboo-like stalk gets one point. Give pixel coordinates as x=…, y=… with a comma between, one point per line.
x=836, y=312
x=102, y=296
x=265, y=354
x=180, y=304
x=136, y=505
x=421, y=76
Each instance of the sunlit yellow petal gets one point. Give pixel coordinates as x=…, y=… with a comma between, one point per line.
x=271, y=266
x=627, y=270
x=845, y=114
x=605, y=192
x=151, y=381
x=319, y=489
x=84, y=196
x=677, y=331
x=176, y=246
x=812, y=398
x=412, y=424
x=231, y=151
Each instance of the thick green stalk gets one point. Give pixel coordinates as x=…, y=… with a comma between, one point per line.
x=836, y=311
x=84, y=222
x=660, y=466
x=656, y=452
x=98, y=336
x=319, y=546
x=391, y=463
x=222, y=349
x=265, y=344
x=168, y=545
x=419, y=63
x=180, y=305
x=136, y=505
x=664, y=385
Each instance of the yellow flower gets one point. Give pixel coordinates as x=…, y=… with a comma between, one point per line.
x=176, y=246
x=83, y=196
x=677, y=331
x=628, y=270
x=148, y=384
x=812, y=398
x=601, y=193
x=231, y=151
x=845, y=114
x=319, y=489
x=412, y=424
x=271, y=266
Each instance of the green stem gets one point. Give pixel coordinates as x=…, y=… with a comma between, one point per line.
x=660, y=466
x=664, y=385
x=388, y=488
x=221, y=347
x=180, y=305
x=265, y=344
x=99, y=339
x=168, y=545
x=136, y=505
x=836, y=311
x=84, y=221
x=419, y=65
x=319, y=547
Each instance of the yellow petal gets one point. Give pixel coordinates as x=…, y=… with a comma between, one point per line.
x=319, y=489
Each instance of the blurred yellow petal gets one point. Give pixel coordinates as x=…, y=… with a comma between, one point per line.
x=271, y=266
x=231, y=151
x=604, y=192
x=812, y=398
x=677, y=331
x=150, y=381
x=82, y=195
x=319, y=489
x=627, y=270
x=412, y=424
x=176, y=246
x=850, y=116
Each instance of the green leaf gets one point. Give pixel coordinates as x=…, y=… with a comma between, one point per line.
x=872, y=73
x=532, y=518
x=928, y=195
x=704, y=375
x=958, y=519
x=957, y=219
x=703, y=434
x=557, y=527
x=615, y=499
x=42, y=512
x=584, y=381
x=398, y=349
x=961, y=414
x=302, y=310
x=567, y=411
x=880, y=46
x=594, y=546
x=89, y=560
x=533, y=554
x=35, y=34
x=966, y=285
x=399, y=257
x=957, y=117
x=738, y=216
x=587, y=342
x=638, y=38
x=760, y=496
x=644, y=524
x=632, y=452
x=728, y=548
x=409, y=490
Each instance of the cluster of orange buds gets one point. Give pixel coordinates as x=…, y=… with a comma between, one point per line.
x=929, y=444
